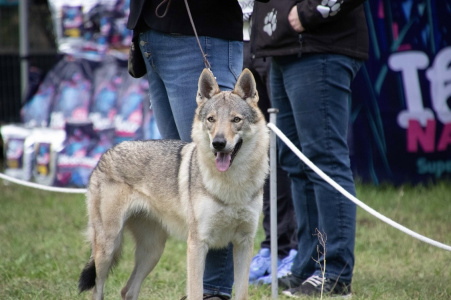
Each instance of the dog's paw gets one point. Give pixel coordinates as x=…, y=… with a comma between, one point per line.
x=270, y=22
x=329, y=8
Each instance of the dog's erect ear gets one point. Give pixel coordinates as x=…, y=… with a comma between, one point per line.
x=245, y=86
x=207, y=87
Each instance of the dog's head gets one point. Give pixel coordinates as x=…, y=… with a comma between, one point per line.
x=227, y=118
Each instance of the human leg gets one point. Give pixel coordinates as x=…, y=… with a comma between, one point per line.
x=302, y=191
x=318, y=87
x=287, y=239
x=286, y=223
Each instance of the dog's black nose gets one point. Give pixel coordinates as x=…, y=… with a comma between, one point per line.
x=219, y=143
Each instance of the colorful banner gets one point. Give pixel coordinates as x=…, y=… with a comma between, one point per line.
x=401, y=110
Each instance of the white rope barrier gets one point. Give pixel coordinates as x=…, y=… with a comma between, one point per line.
x=351, y=197
x=303, y=158
x=42, y=187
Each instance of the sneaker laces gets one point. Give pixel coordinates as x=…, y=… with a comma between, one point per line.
x=314, y=280
x=329, y=286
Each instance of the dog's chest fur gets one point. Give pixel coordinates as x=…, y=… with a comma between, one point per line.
x=218, y=206
x=217, y=224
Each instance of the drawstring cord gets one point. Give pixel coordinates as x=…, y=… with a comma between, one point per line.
x=165, y=11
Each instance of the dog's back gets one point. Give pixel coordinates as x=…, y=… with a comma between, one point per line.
x=145, y=165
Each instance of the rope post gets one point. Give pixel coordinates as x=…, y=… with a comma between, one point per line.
x=24, y=48
x=273, y=203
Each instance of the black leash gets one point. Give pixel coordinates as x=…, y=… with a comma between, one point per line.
x=204, y=56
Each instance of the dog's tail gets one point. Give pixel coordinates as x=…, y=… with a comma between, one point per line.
x=87, y=277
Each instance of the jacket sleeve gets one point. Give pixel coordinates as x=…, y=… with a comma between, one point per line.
x=313, y=13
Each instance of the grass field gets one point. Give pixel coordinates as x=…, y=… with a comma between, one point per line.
x=42, y=248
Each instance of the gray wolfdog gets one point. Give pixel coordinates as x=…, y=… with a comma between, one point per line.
x=208, y=192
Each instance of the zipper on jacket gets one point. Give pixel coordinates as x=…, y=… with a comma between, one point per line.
x=301, y=39
x=251, y=40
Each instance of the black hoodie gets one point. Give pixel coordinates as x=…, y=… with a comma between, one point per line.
x=331, y=26
x=215, y=18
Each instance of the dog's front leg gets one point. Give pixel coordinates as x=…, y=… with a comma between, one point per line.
x=242, y=256
x=196, y=255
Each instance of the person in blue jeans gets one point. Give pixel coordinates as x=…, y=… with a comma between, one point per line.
x=260, y=269
x=174, y=63
x=317, y=47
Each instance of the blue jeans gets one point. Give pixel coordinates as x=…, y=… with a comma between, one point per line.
x=313, y=96
x=174, y=64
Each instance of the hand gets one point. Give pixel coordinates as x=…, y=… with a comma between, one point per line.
x=293, y=19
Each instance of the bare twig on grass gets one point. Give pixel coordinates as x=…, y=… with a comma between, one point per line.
x=322, y=238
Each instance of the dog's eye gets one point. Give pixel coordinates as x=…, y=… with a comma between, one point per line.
x=210, y=119
x=236, y=119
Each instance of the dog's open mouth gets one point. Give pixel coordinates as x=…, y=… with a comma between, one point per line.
x=224, y=160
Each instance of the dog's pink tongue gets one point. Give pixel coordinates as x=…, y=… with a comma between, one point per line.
x=223, y=161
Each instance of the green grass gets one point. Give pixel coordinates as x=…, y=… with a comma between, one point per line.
x=43, y=250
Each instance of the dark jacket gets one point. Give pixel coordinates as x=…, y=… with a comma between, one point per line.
x=339, y=29
x=214, y=18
